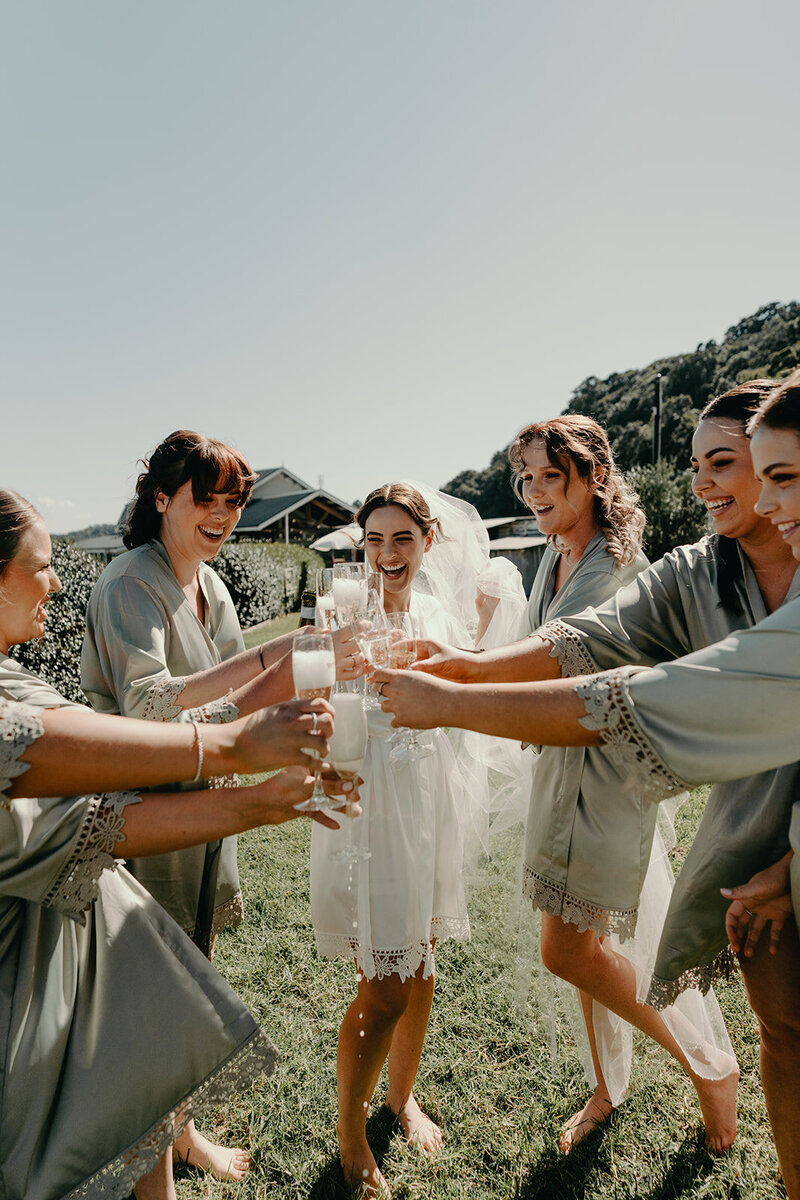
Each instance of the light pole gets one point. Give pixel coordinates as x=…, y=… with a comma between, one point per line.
x=658, y=400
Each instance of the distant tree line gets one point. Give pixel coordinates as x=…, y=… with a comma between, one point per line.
x=766, y=344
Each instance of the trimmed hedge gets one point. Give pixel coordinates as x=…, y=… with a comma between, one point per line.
x=57, y=655
x=265, y=579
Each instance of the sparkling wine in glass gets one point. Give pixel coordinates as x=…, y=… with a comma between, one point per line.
x=314, y=674
x=406, y=745
x=346, y=755
x=325, y=612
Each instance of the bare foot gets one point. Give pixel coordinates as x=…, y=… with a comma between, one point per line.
x=361, y=1172
x=583, y=1123
x=418, y=1129
x=718, y=1105
x=223, y=1162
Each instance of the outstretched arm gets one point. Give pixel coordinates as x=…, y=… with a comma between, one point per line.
x=90, y=752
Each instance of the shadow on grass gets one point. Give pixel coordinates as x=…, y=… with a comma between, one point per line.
x=555, y=1177
x=329, y=1184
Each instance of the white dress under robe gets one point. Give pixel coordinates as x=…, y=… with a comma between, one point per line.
x=724, y=712
x=143, y=638
x=386, y=912
x=115, y=1029
x=691, y=598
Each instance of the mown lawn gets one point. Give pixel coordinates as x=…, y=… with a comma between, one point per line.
x=487, y=1075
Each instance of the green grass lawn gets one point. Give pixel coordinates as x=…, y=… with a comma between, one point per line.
x=487, y=1075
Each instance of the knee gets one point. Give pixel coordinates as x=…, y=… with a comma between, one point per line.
x=563, y=958
x=388, y=1000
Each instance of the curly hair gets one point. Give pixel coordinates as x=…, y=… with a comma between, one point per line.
x=184, y=456
x=579, y=442
x=406, y=497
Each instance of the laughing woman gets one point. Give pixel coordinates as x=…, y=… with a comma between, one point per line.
x=114, y=1029
x=729, y=710
x=163, y=642
x=390, y=912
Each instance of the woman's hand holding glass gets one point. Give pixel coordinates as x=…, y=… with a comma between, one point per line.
x=403, y=653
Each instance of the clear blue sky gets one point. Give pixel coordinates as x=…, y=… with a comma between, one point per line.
x=370, y=239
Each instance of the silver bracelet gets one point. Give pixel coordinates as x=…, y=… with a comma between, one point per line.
x=198, y=740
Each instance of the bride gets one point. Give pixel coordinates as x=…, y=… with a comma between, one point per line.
x=389, y=913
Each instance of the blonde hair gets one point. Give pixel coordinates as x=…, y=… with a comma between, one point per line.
x=579, y=442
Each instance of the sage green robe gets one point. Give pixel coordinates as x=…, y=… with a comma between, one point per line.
x=691, y=598
x=588, y=839
x=724, y=712
x=143, y=638
x=114, y=1029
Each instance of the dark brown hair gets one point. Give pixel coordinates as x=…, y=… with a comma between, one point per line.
x=406, y=497
x=740, y=403
x=16, y=516
x=184, y=456
x=579, y=442
x=781, y=409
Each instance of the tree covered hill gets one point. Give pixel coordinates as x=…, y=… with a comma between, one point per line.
x=764, y=344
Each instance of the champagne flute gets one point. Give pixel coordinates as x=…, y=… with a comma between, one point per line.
x=314, y=674
x=350, y=589
x=402, y=654
x=376, y=645
x=348, y=745
x=325, y=612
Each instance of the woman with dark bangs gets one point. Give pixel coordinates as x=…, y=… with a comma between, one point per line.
x=163, y=643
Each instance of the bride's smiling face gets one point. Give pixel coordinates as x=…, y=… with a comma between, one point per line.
x=395, y=546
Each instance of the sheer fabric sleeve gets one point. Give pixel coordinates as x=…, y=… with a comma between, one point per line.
x=131, y=632
x=643, y=623
x=727, y=711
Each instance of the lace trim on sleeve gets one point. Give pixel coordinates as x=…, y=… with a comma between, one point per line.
x=75, y=888
x=162, y=700
x=19, y=728
x=609, y=711
x=216, y=712
x=162, y=705
x=568, y=648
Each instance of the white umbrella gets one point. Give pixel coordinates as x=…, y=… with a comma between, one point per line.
x=344, y=538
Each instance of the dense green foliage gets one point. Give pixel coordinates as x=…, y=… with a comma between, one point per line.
x=56, y=656
x=766, y=344
x=265, y=578
x=674, y=516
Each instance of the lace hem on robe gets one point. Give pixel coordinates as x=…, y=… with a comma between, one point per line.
x=609, y=712
x=664, y=992
x=228, y=915
x=404, y=961
x=116, y=1179
x=20, y=727
x=162, y=705
x=553, y=899
x=75, y=888
x=568, y=648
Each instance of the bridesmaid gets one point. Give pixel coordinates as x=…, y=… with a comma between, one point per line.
x=589, y=838
x=163, y=642
x=81, y=941
x=720, y=713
